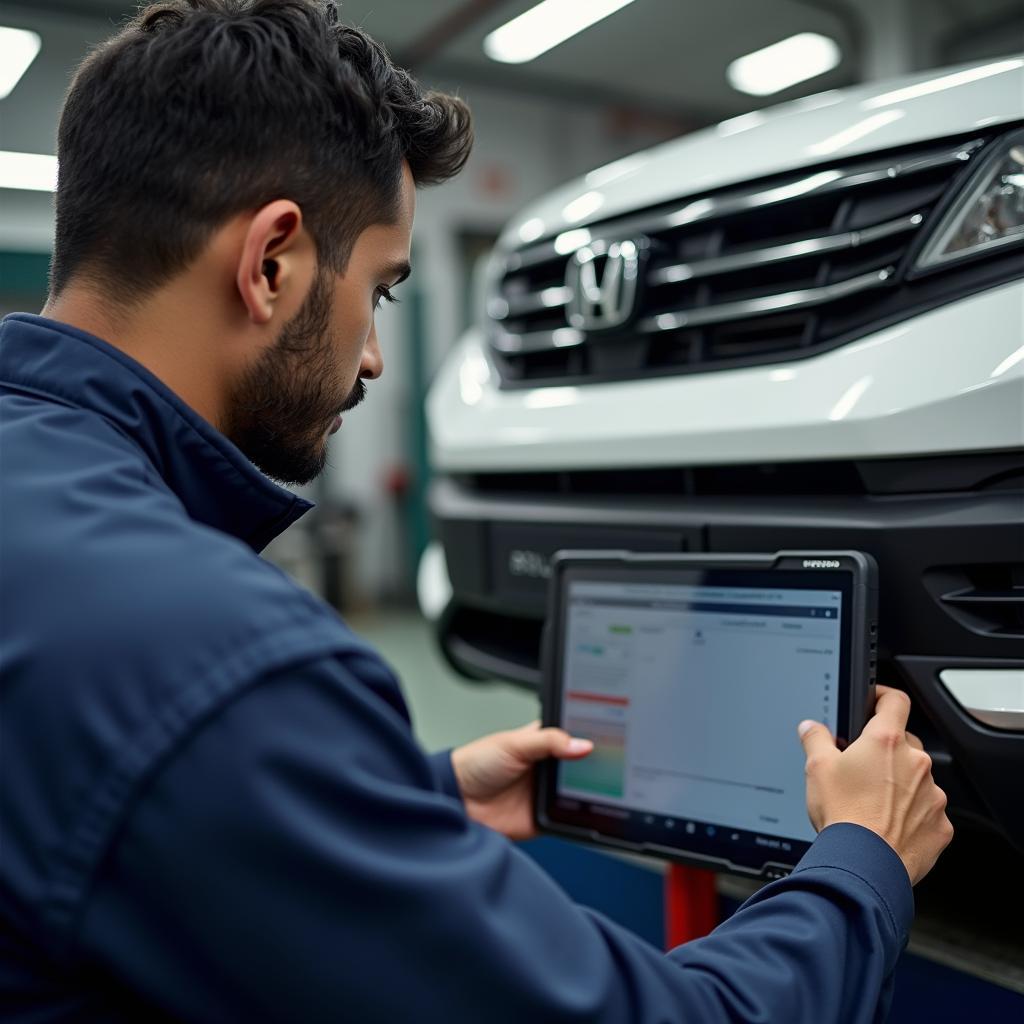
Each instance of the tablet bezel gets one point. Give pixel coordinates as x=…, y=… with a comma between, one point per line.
x=760, y=855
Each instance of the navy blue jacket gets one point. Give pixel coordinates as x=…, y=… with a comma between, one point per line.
x=213, y=807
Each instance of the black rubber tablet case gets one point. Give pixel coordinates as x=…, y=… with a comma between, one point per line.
x=863, y=633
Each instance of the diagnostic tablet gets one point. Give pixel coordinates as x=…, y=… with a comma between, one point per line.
x=690, y=673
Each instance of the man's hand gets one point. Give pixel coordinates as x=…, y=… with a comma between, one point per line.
x=882, y=781
x=495, y=774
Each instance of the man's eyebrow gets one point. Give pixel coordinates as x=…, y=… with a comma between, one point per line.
x=399, y=271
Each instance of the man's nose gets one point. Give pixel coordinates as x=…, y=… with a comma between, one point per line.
x=372, y=365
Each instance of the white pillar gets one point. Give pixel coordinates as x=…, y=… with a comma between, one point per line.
x=900, y=36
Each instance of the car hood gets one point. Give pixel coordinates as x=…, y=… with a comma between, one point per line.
x=828, y=127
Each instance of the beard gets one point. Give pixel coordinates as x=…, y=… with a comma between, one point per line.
x=281, y=409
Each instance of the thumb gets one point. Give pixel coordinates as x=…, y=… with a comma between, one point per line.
x=533, y=744
x=816, y=738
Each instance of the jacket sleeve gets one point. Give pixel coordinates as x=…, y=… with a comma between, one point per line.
x=444, y=773
x=296, y=860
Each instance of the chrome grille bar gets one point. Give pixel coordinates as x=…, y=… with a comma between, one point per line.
x=693, y=212
x=762, y=304
x=752, y=258
x=537, y=341
x=567, y=337
x=509, y=306
x=503, y=307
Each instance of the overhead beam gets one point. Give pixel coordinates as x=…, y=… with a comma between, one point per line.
x=1008, y=23
x=676, y=118
x=444, y=31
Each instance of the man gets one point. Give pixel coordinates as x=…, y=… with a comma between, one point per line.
x=213, y=807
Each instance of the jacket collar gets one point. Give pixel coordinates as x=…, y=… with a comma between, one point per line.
x=215, y=482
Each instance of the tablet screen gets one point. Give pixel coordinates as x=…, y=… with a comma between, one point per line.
x=691, y=692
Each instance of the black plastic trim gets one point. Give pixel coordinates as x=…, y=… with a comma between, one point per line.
x=901, y=475
x=908, y=536
x=990, y=758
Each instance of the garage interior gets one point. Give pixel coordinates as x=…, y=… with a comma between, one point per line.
x=652, y=72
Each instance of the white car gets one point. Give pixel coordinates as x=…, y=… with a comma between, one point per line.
x=802, y=328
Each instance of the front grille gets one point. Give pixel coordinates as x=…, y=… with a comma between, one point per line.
x=778, y=269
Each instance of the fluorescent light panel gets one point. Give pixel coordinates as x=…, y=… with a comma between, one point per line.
x=543, y=27
x=18, y=48
x=34, y=172
x=783, y=64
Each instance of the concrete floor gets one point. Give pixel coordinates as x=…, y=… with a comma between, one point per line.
x=447, y=710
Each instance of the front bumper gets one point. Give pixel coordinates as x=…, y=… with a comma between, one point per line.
x=951, y=566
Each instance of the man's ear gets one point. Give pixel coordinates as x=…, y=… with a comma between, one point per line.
x=277, y=261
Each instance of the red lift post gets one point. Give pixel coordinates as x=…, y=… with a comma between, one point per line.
x=691, y=904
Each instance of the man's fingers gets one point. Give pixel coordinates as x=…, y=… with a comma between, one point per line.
x=534, y=744
x=892, y=708
x=817, y=740
x=914, y=741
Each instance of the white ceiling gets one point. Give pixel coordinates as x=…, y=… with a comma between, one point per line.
x=665, y=54
x=657, y=58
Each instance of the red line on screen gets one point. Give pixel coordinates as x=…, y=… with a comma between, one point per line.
x=599, y=698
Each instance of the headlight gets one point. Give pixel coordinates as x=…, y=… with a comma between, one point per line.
x=990, y=211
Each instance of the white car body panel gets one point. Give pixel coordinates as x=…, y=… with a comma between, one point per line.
x=931, y=384
x=830, y=127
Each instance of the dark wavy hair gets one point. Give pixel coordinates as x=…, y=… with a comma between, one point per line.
x=198, y=110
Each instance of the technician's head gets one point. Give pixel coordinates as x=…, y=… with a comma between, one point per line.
x=263, y=158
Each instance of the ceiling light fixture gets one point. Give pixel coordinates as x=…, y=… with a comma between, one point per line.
x=783, y=64
x=18, y=48
x=35, y=172
x=543, y=27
